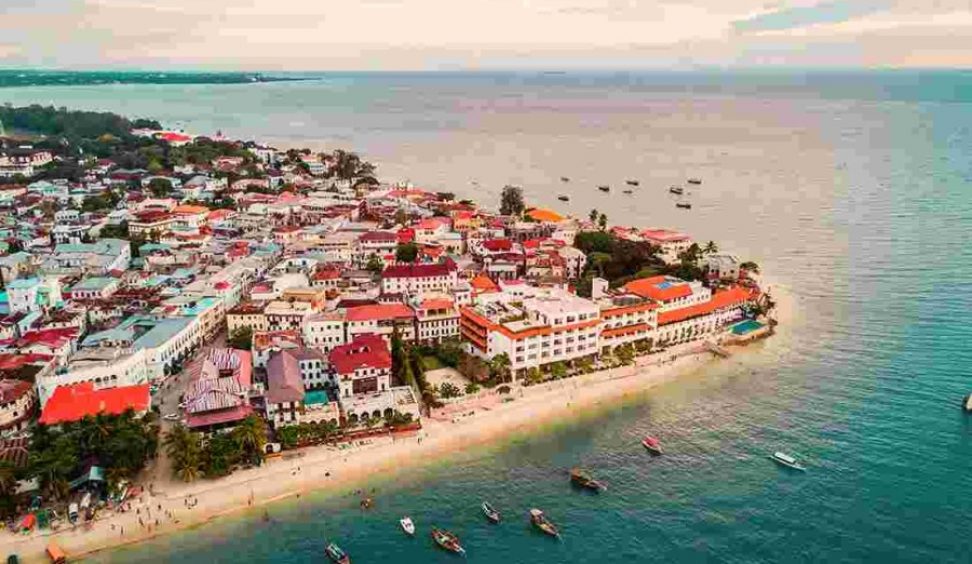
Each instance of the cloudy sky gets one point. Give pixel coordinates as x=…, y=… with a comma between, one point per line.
x=454, y=34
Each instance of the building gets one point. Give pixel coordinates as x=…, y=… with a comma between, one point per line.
x=669, y=292
x=380, y=319
x=436, y=319
x=324, y=331
x=551, y=325
x=362, y=366
x=703, y=319
x=290, y=374
x=218, y=395
x=287, y=315
x=625, y=318
x=266, y=343
x=18, y=403
x=671, y=243
x=415, y=279
x=97, y=258
x=75, y=402
x=248, y=315
x=721, y=267
x=95, y=287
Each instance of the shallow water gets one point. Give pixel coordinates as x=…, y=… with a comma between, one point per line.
x=853, y=192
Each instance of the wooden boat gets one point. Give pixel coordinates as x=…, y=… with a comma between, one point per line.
x=447, y=541
x=683, y=206
x=582, y=478
x=541, y=522
x=492, y=514
x=676, y=190
x=564, y=179
x=652, y=444
x=627, y=191
x=563, y=198
x=604, y=188
x=694, y=181
x=367, y=503
x=784, y=459
x=408, y=526
x=632, y=182
x=337, y=555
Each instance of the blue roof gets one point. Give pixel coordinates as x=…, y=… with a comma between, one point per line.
x=161, y=331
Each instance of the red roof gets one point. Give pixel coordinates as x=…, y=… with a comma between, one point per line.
x=173, y=137
x=482, y=284
x=378, y=236
x=437, y=303
x=72, y=403
x=15, y=361
x=497, y=245
x=364, y=351
x=720, y=300
x=416, y=271
x=12, y=390
x=379, y=311
x=661, y=288
x=663, y=235
x=406, y=235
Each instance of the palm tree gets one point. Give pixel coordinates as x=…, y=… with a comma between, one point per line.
x=711, y=248
x=593, y=216
x=750, y=266
x=500, y=365
x=183, y=447
x=251, y=436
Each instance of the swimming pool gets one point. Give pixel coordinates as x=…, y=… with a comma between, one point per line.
x=748, y=326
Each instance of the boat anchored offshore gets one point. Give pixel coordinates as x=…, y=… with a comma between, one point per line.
x=491, y=513
x=676, y=190
x=408, y=526
x=541, y=522
x=683, y=205
x=652, y=444
x=582, y=478
x=564, y=179
x=604, y=188
x=632, y=182
x=695, y=181
x=784, y=459
x=447, y=541
x=337, y=555
x=967, y=404
x=563, y=198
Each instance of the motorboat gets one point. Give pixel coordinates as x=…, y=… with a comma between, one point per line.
x=408, y=525
x=582, y=478
x=652, y=444
x=694, y=181
x=632, y=182
x=541, y=522
x=784, y=459
x=604, y=188
x=337, y=555
x=563, y=198
x=683, y=205
x=676, y=190
x=447, y=541
x=491, y=513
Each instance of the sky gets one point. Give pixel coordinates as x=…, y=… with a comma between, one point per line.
x=295, y=35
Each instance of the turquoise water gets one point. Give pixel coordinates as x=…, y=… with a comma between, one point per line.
x=853, y=194
x=747, y=326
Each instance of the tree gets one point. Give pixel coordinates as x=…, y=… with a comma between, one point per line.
x=711, y=248
x=241, y=339
x=625, y=354
x=499, y=365
x=184, y=449
x=750, y=267
x=602, y=221
x=374, y=264
x=398, y=355
x=406, y=252
x=558, y=370
x=533, y=375
x=446, y=196
x=251, y=436
x=585, y=364
x=8, y=488
x=160, y=187
x=511, y=201
x=219, y=456
x=472, y=388
x=449, y=390
x=593, y=215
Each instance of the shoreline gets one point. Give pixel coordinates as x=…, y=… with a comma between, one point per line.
x=486, y=418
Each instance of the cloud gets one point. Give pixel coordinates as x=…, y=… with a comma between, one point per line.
x=801, y=16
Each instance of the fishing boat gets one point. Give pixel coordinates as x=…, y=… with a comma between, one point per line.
x=604, y=188
x=563, y=198
x=784, y=459
x=683, y=205
x=582, y=478
x=541, y=522
x=695, y=181
x=967, y=404
x=676, y=190
x=337, y=555
x=564, y=179
x=632, y=182
x=627, y=191
x=447, y=541
x=408, y=526
x=652, y=444
x=492, y=514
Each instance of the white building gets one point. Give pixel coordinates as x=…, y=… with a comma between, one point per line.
x=418, y=278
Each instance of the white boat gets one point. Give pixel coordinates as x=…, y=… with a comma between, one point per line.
x=408, y=526
x=786, y=460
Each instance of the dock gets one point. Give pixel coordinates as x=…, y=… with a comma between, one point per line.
x=717, y=350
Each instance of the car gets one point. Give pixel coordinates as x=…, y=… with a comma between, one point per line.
x=171, y=417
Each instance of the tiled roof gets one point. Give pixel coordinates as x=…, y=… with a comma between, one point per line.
x=364, y=351
x=720, y=300
x=661, y=288
x=379, y=311
x=416, y=271
x=71, y=403
x=283, y=378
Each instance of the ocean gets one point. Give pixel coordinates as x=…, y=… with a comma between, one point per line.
x=851, y=190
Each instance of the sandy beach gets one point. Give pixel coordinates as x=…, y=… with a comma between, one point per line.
x=487, y=417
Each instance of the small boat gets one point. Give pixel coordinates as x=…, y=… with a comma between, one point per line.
x=266, y=516
x=447, y=541
x=967, y=404
x=604, y=188
x=695, y=181
x=492, y=514
x=786, y=460
x=564, y=179
x=541, y=522
x=632, y=182
x=408, y=526
x=583, y=479
x=676, y=190
x=627, y=191
x=683, y=206
x=367, y=503
x=652, y=444
x=337, y=555
x=563, y=198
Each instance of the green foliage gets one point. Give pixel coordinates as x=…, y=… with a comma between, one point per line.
x=449, y=390
x=558, y=370
x=472, y=388
x=119, y=231
x=374, y=264
x=595, y=242
x=219, y=455
x=625, y=354
x=71, y=125
x=750, y=266
x=396, y=419
x=160, y=187
x=241, y=339
x=348, y=165
x=533, y=375
x=602, y=221
x=511, y=201
x=184, y=449
x=406, y=252
x=121, y=444
x=499, y=366
x=593, y=215
x=473, y=368
x=585, y=365
x=250, y=437
x=446, y=196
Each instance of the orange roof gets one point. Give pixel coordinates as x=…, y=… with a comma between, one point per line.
x=71, y=403
x=188, y=209
x=379, y=311
x=540, y=214
x=661, y=288
x=437, y=303
x=720, y=300
x=483, y=284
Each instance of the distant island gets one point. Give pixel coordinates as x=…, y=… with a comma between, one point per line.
x=21, y=78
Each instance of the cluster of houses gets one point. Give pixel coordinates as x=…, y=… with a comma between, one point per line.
x=313, y=271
